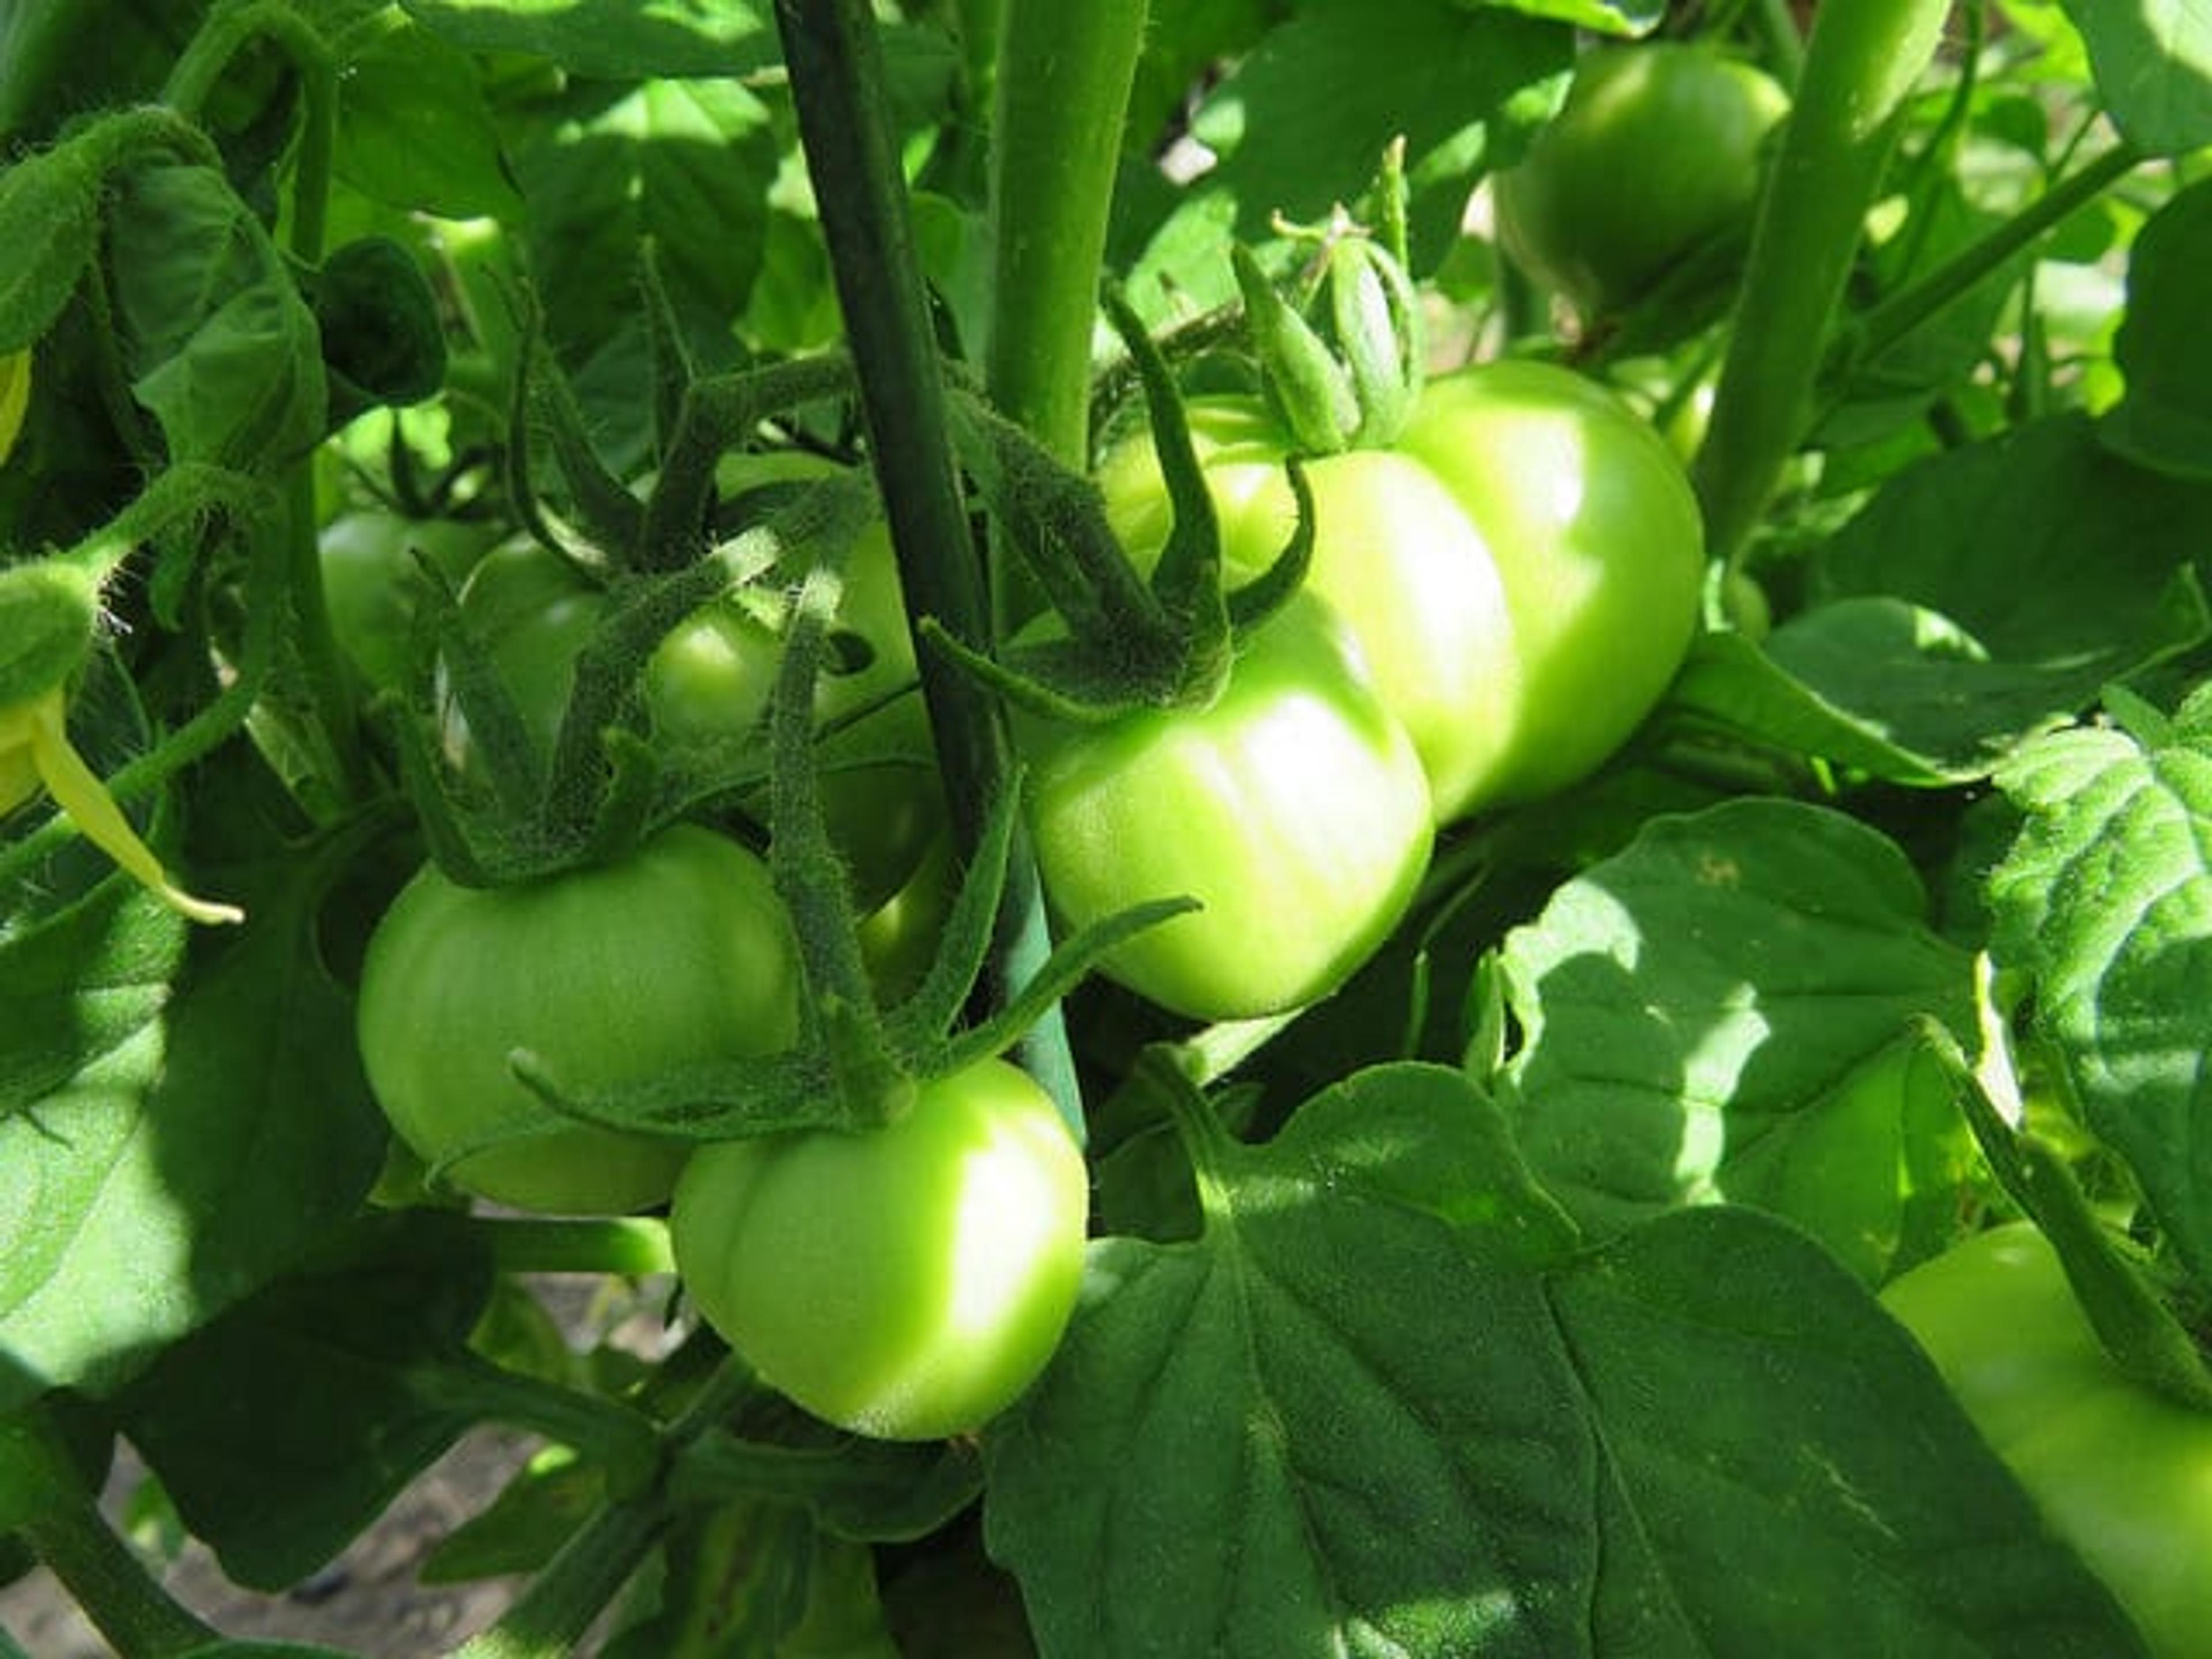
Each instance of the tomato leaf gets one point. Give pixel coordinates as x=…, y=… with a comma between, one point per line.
x=1337, y=1424
x=2105, y=902
x=2165, y=421
x=613, y=39
x=2153, y=60
x=219, y=345
x=1323, y=1422
x=1824, y=1465
x=196, y=1146
x=284, y=1427
x=684, y=165
x=1325, y=89
x=1723, y=1011
x=414, y=130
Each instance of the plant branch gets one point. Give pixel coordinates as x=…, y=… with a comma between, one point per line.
x=1862, y=62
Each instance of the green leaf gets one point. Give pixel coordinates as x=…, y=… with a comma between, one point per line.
x=614, y=39
x=1724, y=1012
x=2105, y=902
x=1325, y=92
x=1336, y=1424
x=1889, y=688
x=1779, y=1451
x=686, y=165
x=1325, y=1427
x=194, y=1148
x=2051, y=553
x=414, y=130
x=2165, y=421
x=217, y=340
x=78, y=985
x=283, y=1428
x=2153, y=60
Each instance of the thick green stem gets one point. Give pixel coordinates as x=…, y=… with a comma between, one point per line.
x=42, y=1498
x=1063, y=91
x=838, y=79
x=1862, y=61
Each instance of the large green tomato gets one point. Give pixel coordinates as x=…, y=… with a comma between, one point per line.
x=2121, y=1471
x=1293, y=808
x=1651, y=170
x=1600, y=549
x=1520, y=571
x=908, y=1282
x=679, y=954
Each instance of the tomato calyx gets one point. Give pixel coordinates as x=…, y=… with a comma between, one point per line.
x=856, y=1066
x=1125, y=640
x=1351, y=382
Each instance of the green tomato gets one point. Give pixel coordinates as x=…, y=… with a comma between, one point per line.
x=536, y=612
x=1651, y=170
x=678, y=954
x=907, y=1282
x=1293, y=808
x=707, y=686
x=2121, y=1471
x=1520, y=571
x=1600, y=550
x=369, y=576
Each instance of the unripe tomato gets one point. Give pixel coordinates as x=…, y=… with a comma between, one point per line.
x=1654, y=161
x=908, y=1282
x=369, y=577
x=1293, y=808
x=680, y=953
x=1521, y=570
x=2121, y=1471
x=707, y=686
x=1600, y=550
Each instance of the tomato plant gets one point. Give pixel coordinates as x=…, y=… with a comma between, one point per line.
x=905, y=1282
x=1520, y=571
x=1646, y=180
x=2121, y=1471
x=1293, y=809
x=1456, y=918
x=679, y=953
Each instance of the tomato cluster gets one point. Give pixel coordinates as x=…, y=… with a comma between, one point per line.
x=1493, y=603
x=1503, y=595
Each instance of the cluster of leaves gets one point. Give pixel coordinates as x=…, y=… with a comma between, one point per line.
x=1530, y=1307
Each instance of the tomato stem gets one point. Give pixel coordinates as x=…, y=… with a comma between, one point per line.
x=42, y=1498
x=835, y=61
x=1863, y=60
x=1063, y=82
x=1896, y=316
x=561, y=1602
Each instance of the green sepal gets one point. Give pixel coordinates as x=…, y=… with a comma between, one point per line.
x=1314, y=396
x=1376, y=319
x=1127, y=643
